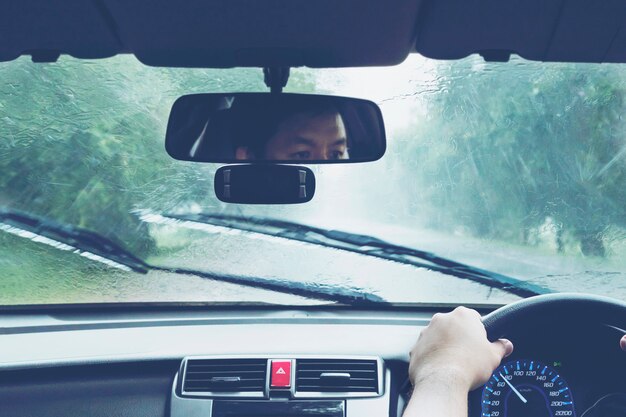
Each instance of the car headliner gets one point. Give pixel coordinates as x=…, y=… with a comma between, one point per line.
x=314, y=33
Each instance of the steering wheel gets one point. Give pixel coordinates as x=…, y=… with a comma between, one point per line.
x=570, y=307
x=565, y=306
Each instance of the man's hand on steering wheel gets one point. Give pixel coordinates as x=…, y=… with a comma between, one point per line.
x=451, y=357
x=455, y=346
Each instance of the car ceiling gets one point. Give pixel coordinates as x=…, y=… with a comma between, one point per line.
x=314, y=33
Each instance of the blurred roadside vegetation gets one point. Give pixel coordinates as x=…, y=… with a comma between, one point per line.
x=522, y=149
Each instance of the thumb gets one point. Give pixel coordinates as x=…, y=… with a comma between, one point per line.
x=502, y=348
x=622, y=343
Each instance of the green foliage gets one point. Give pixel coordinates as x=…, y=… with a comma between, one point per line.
x=510, y=148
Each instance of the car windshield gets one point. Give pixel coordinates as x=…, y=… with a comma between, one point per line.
x=500, y=180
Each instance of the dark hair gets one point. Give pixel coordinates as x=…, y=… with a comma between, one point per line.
x=264, y=118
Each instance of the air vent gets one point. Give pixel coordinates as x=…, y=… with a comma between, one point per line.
x=224, y=376
x=336, y=375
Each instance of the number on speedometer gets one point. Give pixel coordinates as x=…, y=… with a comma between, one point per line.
x=523, y=388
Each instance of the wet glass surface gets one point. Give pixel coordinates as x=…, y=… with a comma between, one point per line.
x=518, y=168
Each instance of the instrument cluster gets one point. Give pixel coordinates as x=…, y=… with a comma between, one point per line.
x=568, y=372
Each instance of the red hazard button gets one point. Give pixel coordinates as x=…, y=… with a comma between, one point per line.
x=281, y=374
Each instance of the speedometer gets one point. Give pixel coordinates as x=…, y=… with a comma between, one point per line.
x=523, y=388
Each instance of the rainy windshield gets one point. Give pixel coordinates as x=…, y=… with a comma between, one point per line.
x=516, y=168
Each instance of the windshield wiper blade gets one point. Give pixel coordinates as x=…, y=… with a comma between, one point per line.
x=362, y=244
x=70, y=238
x=334, y=293
x=104, y=250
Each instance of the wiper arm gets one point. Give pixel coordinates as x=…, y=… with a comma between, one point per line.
x=104, y=250
x=365, y=245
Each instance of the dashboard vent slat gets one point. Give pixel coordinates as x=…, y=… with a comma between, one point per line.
x=225, y=375
x=337, y=376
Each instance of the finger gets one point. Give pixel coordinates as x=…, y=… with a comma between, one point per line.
x=503, y=347
x=622, y=343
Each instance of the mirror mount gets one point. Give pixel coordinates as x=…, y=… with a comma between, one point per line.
x=276, y=78
x=264, y=184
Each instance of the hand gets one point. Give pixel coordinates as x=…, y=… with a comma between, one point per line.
x=454, y=349
x=622, y=343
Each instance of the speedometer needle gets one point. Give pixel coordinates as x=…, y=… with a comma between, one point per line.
x=521, y=397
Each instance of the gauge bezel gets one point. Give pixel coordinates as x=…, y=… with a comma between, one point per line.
x=511, y=369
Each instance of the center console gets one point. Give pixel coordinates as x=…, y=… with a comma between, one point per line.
x=285, y=386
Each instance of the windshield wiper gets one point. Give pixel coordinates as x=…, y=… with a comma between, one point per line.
x=362, y=244
x=101, y=249
x=70, y=238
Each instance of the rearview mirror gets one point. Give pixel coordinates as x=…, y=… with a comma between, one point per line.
x=265, y=127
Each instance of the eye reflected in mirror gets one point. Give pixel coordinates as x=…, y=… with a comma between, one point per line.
x=264, y=127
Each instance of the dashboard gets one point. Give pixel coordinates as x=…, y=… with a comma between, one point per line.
x=256, y=362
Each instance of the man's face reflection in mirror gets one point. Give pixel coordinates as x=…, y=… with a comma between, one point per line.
x=308, y=135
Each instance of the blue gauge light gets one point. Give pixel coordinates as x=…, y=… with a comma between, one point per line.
x=523, y=388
